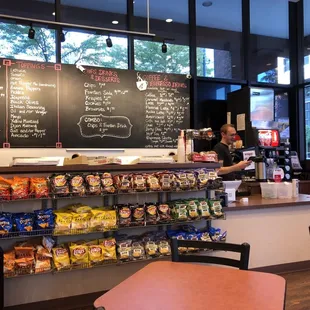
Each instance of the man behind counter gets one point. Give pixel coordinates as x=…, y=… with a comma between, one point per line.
x=228, y=133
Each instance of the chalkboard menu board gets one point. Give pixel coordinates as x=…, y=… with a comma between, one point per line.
x=48, y=105
x=30, y=103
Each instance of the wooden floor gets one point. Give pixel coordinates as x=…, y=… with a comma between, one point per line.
x=298, y=290
x=297, y=296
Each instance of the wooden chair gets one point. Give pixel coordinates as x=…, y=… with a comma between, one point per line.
x=243, y=249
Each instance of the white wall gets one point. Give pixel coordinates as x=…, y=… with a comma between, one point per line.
x=6, y=155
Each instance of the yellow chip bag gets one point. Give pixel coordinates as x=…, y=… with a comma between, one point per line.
x=80, y=220
x=61, y=257
x=63, y=221
x=96, y=221
x=79, y=254
x=95, y=253
x=80, y=208
x=109, y=248
x=110, y=219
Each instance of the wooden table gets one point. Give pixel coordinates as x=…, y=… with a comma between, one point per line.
x=179, y=286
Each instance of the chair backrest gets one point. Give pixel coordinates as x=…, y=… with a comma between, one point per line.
x=243, y=249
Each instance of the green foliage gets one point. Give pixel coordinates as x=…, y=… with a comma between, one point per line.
x=89, y=49
x=202, y=62
x=15, y=43
x=93, y=51
x=307, y=135
x=149, y=57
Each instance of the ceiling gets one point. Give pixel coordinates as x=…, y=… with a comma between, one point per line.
x=266, y=19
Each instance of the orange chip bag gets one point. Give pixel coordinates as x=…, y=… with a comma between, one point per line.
x=9, y=262
x=20, y=188
x=39, y=187
x=5, y=189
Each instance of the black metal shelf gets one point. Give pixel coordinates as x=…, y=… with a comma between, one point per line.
x=53, y=196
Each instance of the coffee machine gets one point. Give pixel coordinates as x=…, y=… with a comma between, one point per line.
x=274, y=154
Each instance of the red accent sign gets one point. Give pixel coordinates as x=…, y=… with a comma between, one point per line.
x=268, y=137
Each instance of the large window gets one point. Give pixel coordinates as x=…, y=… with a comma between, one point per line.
x=92, y=50
x=269, y=42
x=39, y=9
x=219, y=37
x=307, y=120
x=169, y=21
x=307, y=40
x=107, y=13
x=149, y=57
x=15, y=43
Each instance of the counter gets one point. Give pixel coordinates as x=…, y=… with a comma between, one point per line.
x=276, y=229
x=257, y=202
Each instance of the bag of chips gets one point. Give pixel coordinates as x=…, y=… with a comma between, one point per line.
x=97, y=219
x=109, y=248
x=80, y=208
x=20, y=188
x=107, y=183
x=24, y=222
x=60, y=185
x=63, y=221
x=80, y=221
x=9, y=263
x=216, y=208
x=164, y=213
x=24, y=250
x=77, y=186
x=39, y=187
x=5, y=189
x=6, y=223
x=95, y=254
x=152, y=182
x=61, y=257
x=79, y=254
x=123, y=182
x=138, y=251
x=192, y=208
x=203, y=208
x=24, y=266
x=151, y=249
x=93, y=185
x=43, y=260
x=124, y=213
x=138, y=215
x=180, y=211
x=151, y=213
x=124, y=250
x=164, y=248
x=48, y=243
x=44, y=219
x=110, y=219
x=139, y=183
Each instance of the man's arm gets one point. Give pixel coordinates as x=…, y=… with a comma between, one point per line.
x=237, y=167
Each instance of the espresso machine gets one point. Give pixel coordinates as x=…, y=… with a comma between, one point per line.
x=272, y=155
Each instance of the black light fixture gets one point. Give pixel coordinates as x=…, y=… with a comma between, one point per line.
x=109, y=41
x=62, y=37
x=164, y=47
x=31, y=33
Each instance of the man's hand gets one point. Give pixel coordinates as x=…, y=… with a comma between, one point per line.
x=243, y=164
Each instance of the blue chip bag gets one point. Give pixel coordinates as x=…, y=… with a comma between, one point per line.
x=6, y=223
x=44, y=219
x=24, y=222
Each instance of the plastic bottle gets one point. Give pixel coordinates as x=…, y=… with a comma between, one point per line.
x=189, y=146
x=181, y=148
